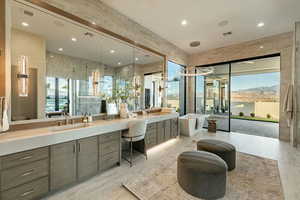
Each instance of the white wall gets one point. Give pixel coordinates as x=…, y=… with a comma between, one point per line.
x=33, y=46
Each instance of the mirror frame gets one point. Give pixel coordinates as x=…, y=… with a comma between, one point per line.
x=38, y=4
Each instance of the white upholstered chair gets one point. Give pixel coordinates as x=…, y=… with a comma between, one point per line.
x=136, y=132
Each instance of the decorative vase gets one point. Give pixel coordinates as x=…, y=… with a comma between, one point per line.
x=123, y=110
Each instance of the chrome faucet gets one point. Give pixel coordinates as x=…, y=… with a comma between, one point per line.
x=66, y=115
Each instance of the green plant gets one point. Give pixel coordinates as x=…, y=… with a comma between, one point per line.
x=269, y=116
x=252, y=114
x=241, y=114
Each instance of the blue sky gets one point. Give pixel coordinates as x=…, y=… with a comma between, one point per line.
x=248, y=81
x=173, y=71
x=254, y=81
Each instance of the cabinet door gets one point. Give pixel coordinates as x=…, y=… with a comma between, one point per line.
x=87, y=151
x=174, y=128
x=167, y=130
x=160, y=132
x=62, y=165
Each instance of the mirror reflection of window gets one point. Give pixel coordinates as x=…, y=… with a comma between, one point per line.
x=107, y=86
x=57, y=99
x=176, y=87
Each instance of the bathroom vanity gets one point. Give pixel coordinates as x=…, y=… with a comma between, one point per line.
x=37, y=162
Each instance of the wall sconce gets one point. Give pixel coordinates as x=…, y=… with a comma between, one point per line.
x=23, y=76
x=96, y=80
x=161, y=87
x=137, y=85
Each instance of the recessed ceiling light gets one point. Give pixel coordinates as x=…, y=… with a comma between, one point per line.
x=260, y=24
x=94, y=23
x=184, y=22
x=227, y=33
x=28, y=13
x=112, y=51
x=223, y=23
x=51, y=56
x=60, y=49
x=25, y=24
x=195, y=44
x=136, y=59
x=119, y=63
x=74, y=39
x=261, y=47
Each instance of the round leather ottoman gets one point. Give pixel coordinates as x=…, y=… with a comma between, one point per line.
x=223, y=149
x=202, y=174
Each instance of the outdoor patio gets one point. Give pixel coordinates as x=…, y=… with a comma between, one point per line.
x=259, y=128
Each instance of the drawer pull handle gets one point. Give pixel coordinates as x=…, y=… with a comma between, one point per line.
x=27, y=173
x=26, y=158
x=27, y=193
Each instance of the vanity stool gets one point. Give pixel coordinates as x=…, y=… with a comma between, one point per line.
x=136, y=132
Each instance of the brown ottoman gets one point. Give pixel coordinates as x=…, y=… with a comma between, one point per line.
x=223, y=149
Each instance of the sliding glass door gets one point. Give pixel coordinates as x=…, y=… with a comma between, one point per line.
x=212, y=94
x=241, y=96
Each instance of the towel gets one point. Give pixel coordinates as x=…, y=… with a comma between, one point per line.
x=289, y=104
x=4, y=125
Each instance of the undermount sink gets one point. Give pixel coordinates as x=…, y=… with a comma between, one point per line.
x=68, y=127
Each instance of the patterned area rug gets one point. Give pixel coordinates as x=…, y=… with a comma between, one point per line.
x=254, y=178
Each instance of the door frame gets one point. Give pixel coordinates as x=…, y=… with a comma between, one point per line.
x=229, y=63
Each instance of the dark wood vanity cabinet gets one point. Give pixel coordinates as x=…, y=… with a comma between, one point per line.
x=151, y=135
x=158, y=133
x=24, y=175
x=109, y=150
x=167, y=126
x=62, y=165
x=77, y=160
x=174, y=127
x=87, y=157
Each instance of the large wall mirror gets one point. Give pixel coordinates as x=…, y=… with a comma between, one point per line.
x=63, y=68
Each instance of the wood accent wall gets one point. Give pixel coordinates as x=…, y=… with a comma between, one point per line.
x=2, y=47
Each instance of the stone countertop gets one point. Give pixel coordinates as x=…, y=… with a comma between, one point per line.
x=18, y=141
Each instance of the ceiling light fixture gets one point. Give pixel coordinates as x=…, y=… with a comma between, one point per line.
x=195, y=44
x=74, y=39
x=227, y=33
x=25, y=24
x=223, y=23
x=184, y=22
x=260, y=24
x=112, y=51
x=60, y=49
x=94, y=23
x=136, y=59
x=261, y=47
x=119, y=63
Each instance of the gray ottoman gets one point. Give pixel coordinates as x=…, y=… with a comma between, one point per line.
x=202, y=174
x=223, y=149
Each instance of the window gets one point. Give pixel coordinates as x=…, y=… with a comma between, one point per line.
x=57, y=94
x=107, y=86
x=176, y=87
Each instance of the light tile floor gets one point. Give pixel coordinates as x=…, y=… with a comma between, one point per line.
x=107, y=186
